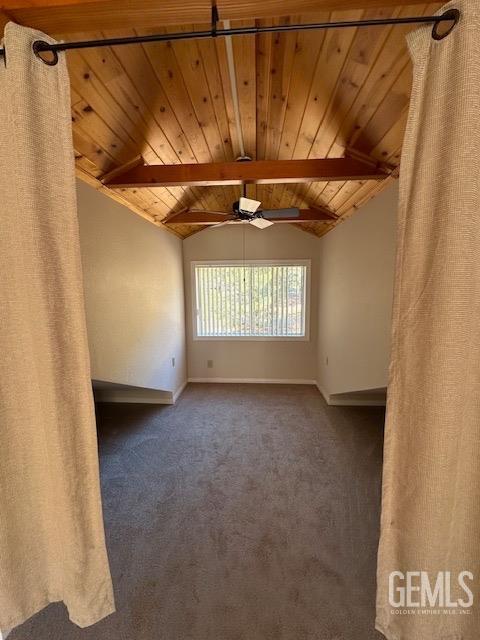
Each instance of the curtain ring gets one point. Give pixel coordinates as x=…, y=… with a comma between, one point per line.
x=451, y=14
x=39, y=47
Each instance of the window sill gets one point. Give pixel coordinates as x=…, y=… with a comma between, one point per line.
x=252, y=338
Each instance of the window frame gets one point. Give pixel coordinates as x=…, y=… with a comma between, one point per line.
x=272, y=263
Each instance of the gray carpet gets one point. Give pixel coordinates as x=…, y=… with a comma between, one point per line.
x=245, y=512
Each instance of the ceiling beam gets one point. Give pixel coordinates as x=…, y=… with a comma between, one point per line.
x=206, y=218
x=30, y=4
x=200, y=217
x=250, y=172
x=4, y=18
x=71, y=16
x=241, y=9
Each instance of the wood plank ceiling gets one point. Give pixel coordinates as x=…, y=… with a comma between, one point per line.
x=301, y=95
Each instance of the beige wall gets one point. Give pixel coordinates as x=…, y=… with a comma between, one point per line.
x=269, y=360
x=133, y=274
x=355, y=285
x=134, y=286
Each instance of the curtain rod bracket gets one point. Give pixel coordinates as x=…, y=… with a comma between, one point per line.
x=214, y=19
x=452, y=16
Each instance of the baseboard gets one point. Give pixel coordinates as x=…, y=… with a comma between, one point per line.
x=349, y=399
x=254, y=380
x=325, y=395
x=107, y=391
x=176, y=395
x=137, y=395
x=122, y=396
x=355, y=402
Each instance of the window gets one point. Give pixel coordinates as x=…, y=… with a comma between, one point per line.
x=256, y=300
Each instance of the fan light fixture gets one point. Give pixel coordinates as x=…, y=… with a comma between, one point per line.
x=261, y=223
x=246, y=205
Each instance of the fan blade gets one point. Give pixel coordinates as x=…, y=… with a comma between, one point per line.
x=297, y=215
x=281, y=213
x=260, y=223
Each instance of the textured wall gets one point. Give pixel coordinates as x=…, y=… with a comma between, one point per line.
x=277, y=360
x=355, y=289
x=133, y=274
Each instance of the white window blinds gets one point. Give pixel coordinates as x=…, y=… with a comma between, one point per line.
x=251, y=299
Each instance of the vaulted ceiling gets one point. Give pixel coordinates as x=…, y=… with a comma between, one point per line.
x=310, y=94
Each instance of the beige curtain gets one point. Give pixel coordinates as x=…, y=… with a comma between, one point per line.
x=51, y=532
x=431, y=486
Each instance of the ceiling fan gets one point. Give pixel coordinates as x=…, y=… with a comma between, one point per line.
x=248, y=211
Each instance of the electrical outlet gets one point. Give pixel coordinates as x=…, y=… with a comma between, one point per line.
x=210, y=364
x=173, y=361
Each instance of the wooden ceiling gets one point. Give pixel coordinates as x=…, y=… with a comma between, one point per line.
x=301, y=95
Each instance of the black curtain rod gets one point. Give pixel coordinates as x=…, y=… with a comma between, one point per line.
x=40, y=46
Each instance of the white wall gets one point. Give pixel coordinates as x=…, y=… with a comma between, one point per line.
x=270, y=360
x=133, y=275
x=355, y=285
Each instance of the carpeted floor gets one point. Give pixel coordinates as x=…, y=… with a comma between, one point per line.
x=245, y=512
